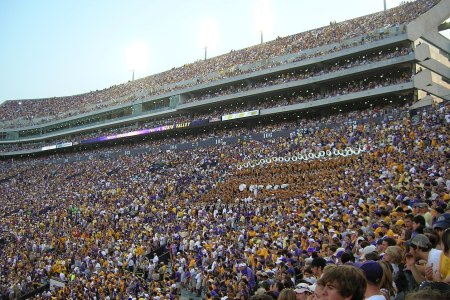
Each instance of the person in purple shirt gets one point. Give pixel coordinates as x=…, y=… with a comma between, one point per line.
x=247, y=272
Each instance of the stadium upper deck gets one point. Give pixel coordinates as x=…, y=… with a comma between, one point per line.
x=209, y=85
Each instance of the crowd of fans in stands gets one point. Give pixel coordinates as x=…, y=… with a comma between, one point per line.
x=26, y=112
x=368, y=223
x=292, y=76
x=237, y=232
x=289, y=98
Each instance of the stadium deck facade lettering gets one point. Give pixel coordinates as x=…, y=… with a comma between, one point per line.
x=221, y=141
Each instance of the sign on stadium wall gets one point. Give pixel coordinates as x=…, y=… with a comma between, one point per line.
x=240, y=115
x=63, y=145
x=48, y=147
x=217, y=141
x=214, y=119
x=147, y=131
x=57, y=146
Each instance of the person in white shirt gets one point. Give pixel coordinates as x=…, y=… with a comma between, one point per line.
x=151, y=269
x=155, y=259
x=420, y=249
x=198, y=283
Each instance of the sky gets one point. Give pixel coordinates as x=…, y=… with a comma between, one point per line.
x=54, y=48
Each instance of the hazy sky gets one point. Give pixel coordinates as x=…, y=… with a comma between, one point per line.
x=65, y=47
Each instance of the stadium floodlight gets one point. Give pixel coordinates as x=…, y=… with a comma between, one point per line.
x=263, y=17
x=137, y=57
x=208, y=34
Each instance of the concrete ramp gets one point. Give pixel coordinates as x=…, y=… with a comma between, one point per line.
x=429, y=21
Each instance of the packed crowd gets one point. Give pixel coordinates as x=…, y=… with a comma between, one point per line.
x=307, y=94
x=292, y=76
x=25, y=112
x=234, y=233
x=386, y=108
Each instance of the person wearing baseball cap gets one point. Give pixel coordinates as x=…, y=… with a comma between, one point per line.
x=424, y=210
x=248, y=272
x=441, y=224
x=374, y=274
x=302, y=291
x=420, y=248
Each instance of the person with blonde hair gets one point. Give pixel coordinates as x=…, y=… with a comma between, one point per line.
x=387, y=283
x=287, y=294
x=328, y=267
x=394, y=256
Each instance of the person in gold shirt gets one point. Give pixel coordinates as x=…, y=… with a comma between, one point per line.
x=262, y=252
x=387, y=231
x=445, y=257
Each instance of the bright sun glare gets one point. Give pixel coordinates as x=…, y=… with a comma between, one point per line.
x=137, y=56
x=263, y=15
x=208, y=33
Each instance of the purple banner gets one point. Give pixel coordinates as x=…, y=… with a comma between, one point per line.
x=146, y=131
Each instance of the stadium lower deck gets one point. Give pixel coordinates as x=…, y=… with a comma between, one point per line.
x=95, y=225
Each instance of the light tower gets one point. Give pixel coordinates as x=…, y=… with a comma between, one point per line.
x=208, y=34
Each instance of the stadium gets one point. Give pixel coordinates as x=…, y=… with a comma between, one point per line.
x=236, y=176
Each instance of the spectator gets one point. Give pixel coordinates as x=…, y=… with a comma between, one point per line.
x=394, y=255
x=418, y=225
x=420, y=249
x=287, y=294
x=317, y=266
x=441, y=224
x=303, y=291
x=342, y=282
